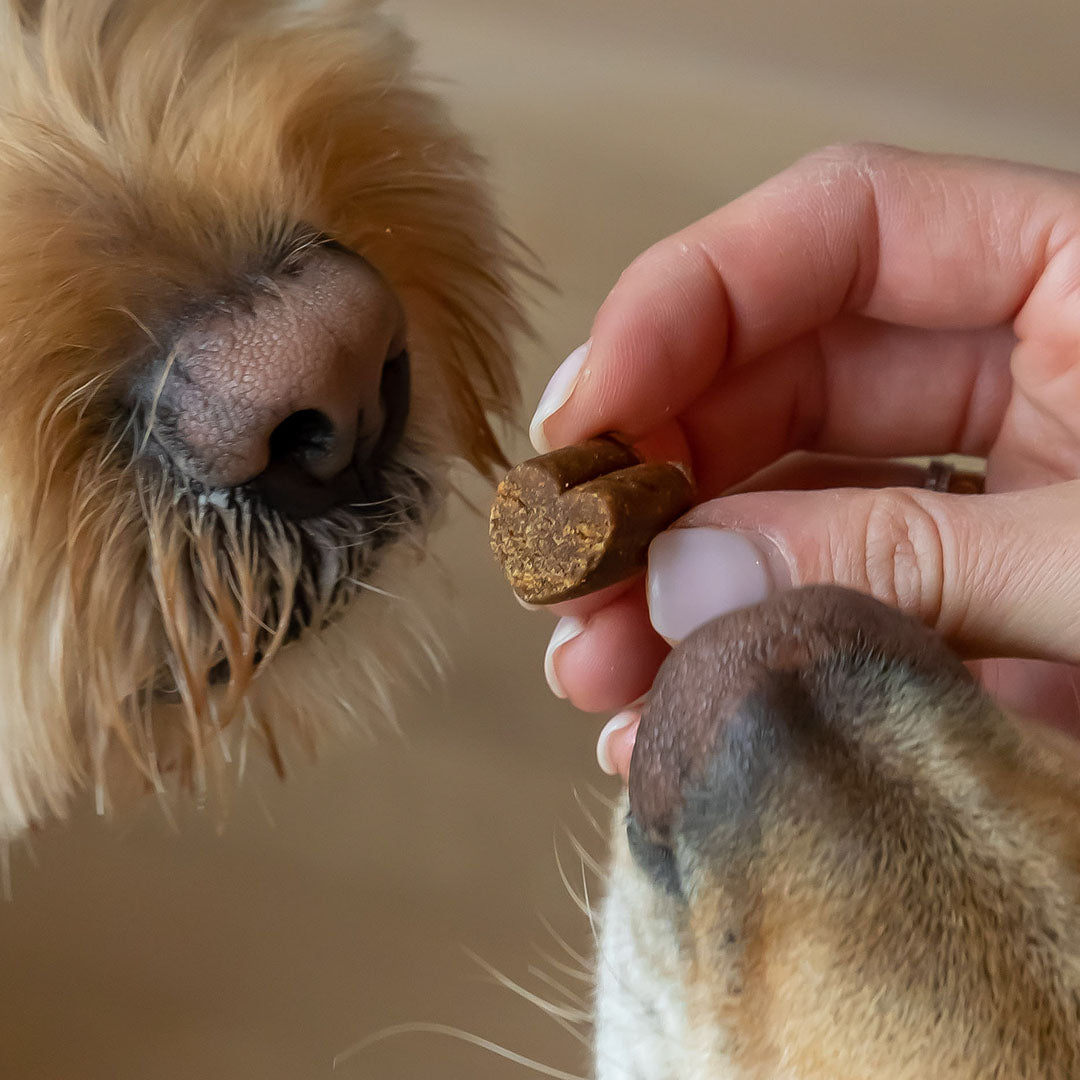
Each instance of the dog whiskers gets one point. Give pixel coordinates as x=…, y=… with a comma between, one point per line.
x=568, y=1017
x=580, y=974
x=589, y=816
x=167, y=367
x=580, y=900
x=552, y=1011
x=605, y=801
x=587, y=860
x=150, y=335
x=573, y=998
x=419, y=1028
x=247, y=722
x=366, y=585
x=584, y=963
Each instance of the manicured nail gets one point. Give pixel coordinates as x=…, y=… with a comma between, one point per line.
x=556, y=395
x=616, y=742
x=698, y=574
x=566, y=629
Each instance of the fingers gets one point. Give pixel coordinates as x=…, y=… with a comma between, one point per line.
x=1044, y=692
x=997, y=575
x=871, y=302
x=608, y=659
x=1040, y=435
x=857, y=387
x=605, y=649
x=818, y=472
x=903, y=238
x=584, y=606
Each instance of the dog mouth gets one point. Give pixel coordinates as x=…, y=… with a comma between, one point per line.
x=316, y=567
x=312, y=553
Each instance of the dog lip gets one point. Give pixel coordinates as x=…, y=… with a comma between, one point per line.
x=713, y=673
x=348, y=584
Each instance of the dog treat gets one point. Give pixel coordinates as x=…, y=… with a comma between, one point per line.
x=576, y=520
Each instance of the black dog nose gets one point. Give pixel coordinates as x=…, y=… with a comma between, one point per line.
x=298, y=392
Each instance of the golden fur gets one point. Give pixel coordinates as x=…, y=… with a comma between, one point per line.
x=151, y=151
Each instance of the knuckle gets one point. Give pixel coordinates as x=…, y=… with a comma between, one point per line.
x=903, y=553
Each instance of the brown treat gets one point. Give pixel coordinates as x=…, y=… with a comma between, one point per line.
x=579, y=519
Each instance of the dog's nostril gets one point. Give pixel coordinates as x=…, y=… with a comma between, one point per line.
x=303, y=437
x=316, y=464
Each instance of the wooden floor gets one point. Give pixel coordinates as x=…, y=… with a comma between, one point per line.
x=352, y=898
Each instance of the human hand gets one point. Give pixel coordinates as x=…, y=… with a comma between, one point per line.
x=872, y=303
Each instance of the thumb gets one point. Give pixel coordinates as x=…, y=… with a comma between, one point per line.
x=997, y=575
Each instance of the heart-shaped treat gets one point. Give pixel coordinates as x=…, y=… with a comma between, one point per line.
x=579, y=519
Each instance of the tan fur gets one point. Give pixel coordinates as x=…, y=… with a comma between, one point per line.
x=150, y=151
x=879, y=877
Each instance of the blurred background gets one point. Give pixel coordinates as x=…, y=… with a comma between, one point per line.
x=350, y=898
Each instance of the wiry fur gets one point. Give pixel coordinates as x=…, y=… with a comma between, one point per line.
x=152, y=154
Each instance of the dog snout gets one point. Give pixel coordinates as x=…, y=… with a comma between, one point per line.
x=798, y=685
x=296, y=388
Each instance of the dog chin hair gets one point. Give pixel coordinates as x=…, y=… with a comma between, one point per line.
x=181, y=674
x=153, y=153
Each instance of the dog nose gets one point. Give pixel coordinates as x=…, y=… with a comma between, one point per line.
x=297, y=390
x=745, y=696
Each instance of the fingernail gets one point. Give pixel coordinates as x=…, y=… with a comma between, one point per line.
x=697, y=574
x=556, y=395
x=566, y=629
x=616, y=742
x=526, y=605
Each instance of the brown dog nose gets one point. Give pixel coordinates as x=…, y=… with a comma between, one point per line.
x=298, y=391
x=729, y=701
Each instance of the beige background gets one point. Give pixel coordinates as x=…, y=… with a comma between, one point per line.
x=344, y=901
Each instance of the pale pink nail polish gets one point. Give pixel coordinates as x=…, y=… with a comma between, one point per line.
x=696, y=575
x=616, y=742
x=556, y=395
x=566, y=629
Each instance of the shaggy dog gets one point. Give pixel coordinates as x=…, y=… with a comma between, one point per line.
x=233, y=233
